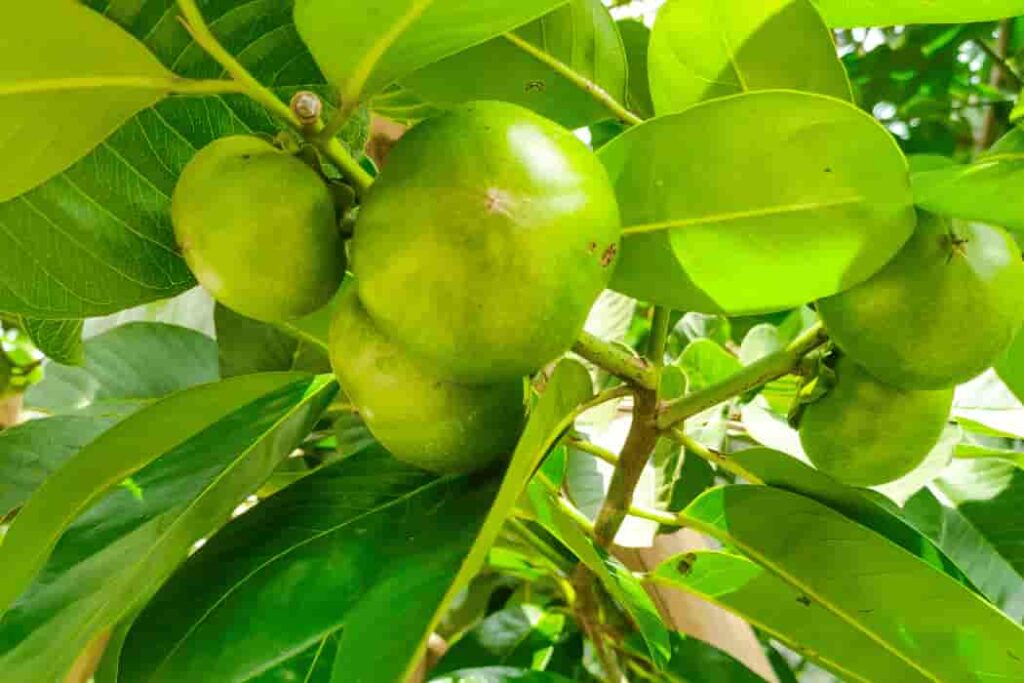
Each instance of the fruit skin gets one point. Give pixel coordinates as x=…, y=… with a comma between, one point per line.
x=421, y=418
x=485, y=241
x=867, y=433
x=939, y=313
x=258, y=229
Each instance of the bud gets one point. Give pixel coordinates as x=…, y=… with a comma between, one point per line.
x=307, y=106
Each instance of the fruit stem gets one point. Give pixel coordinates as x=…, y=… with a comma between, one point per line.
x=617, y=361
x=588, y=86
x=338, y=120
x=751, y=377
x=331, y=147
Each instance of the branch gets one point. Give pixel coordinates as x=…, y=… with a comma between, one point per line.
x=585, y=84
x=1000, y=63
x=751, y=377
x=616, y=361
x=642, y=437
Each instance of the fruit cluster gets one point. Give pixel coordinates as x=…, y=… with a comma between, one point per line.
x=941, y=312
x=476, y=257
x=478, y=252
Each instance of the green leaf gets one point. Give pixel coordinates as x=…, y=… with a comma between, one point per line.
x=970, y=549
x=110, y=459
x=852, y=13
x=981, y=191
x=248, y=346
x=361, y=52
x=342, y=546
x=203, y=451
x=989, y=494
x=717, y=237
x=551, y=416
x=32, y=451
x=500, y=674
x=786, y=613
x=580, y=34
x=312, y=665
x=97, y=238
x=69, y=79
x=134, y=361
x=873, y=512
x=60, y=340
x=522, y=636
x=636, y=38
x=695, y=660
x=704, y=49
x=705, y=363
x=861, y=578
x=620, y=583
x=1011, y=367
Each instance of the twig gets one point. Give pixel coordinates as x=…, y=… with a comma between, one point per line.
x=754, y=375
x=617, y=361
x=193, y=21
x=594, y=450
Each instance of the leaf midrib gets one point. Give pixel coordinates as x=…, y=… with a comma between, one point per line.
x=285, y=552
x=138, y=560
x=732, y=216
x=716, y=532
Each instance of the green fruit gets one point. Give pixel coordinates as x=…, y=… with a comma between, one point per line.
x=485, y=241
x=421, y=418
x=867, y=433
x=258, y=229
x=941, y=312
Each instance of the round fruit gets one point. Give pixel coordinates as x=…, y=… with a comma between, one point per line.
x=867, y=433
x=486, y=240
x=941, y=312
x=421, y=418
x=258, y=229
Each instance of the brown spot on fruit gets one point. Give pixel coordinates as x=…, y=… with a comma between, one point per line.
x=592, y=247
x=498, y=201
x=609, y=255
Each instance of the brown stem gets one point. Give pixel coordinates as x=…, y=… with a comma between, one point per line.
x=589, y=618
x=642, y=437
x=1001, y=73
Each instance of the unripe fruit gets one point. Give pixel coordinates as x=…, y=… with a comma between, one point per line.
x=258, y=229
x=485, y=241
x=941, y=312
x=867, y=433
x=420, y=417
